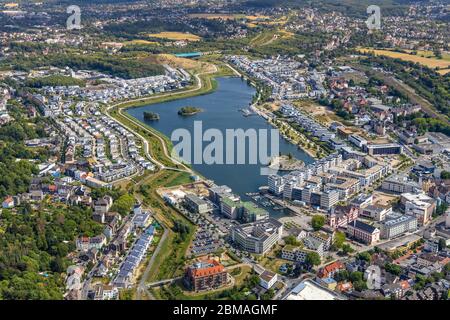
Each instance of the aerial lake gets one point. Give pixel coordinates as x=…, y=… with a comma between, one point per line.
x=221, y=109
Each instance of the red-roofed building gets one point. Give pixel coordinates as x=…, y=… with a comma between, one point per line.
x=52, y=188
x=8, y=203
x=330, y=270
x=344, y=286
x=205, y=275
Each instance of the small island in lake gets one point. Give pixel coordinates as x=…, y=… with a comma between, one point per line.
x=151, y=116
x=286, y=163
x=189, y=111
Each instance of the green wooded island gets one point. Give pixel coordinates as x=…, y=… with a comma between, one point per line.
x=151, y=116
x=189, y=111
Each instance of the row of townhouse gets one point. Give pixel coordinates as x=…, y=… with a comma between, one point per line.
x=128, y=268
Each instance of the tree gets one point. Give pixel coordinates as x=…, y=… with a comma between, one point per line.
x=365, y=256
x=124, y=204
x=445, y=175
x=343, y=275
x=291, y=240
x=346, y=248
x=447, y=268
x=339, y=239
x=356, y=276
x=442, y=244
x=317, y=222
x=360, y=285
x=393, y=268
x=312, y=259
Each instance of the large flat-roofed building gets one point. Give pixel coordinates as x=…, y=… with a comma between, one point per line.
x=229, y=207
x=368, y=176
x=205, y=275
x=196, y=204
x=216, y=193
x=384, y=149
x=329, y=199
x=400, y=184
x=419, y=205
x=257, y=237
x=357, y=140
x=397, y=225
x=252, y=213
x=376, y=212
x=311, y=290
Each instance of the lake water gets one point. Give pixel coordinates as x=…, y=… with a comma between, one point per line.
x=221, y=110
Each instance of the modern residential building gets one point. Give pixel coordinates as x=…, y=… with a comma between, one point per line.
x=276, y=184
x=329, y=199
x=322, y=237
x=216, y=193
x=400, y=184
x=267, y=279
x=296, y=253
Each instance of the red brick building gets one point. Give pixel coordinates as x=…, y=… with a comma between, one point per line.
x=205, y=275
x=330, y=270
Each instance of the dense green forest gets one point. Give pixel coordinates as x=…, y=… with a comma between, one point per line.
x=355, y=8
x=425, y=81
x=54, y=80
x=34, y=246
x=15, y=175
x=112, y=65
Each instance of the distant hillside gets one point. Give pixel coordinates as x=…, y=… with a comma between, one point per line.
x=350, y=7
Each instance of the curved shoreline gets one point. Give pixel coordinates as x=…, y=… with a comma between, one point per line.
x=202, y=86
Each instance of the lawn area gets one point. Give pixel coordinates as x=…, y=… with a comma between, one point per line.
x=170, y=260
x=175, y=36
x=431, y=62
x=140, y=41
x=273, y=263
x=178, y=179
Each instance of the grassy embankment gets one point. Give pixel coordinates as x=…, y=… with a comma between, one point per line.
x=171, y=258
